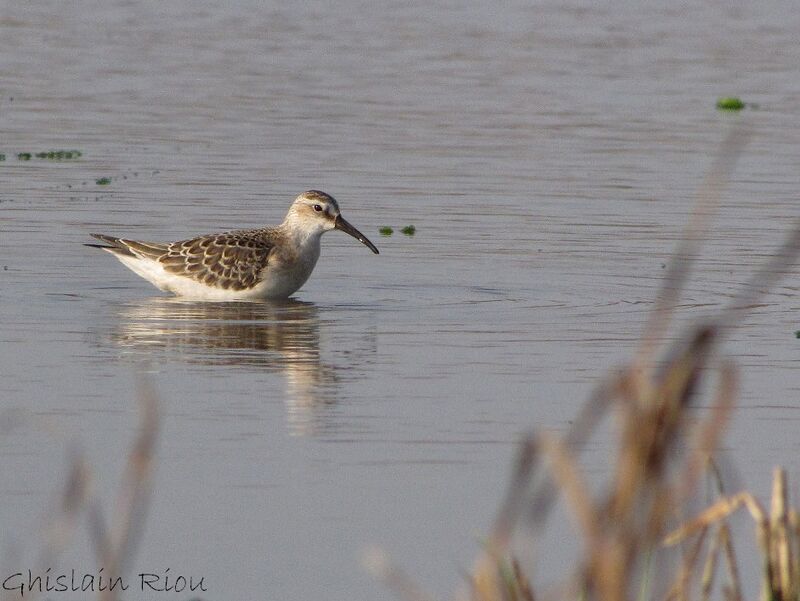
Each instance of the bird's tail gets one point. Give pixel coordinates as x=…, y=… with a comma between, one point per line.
x=113, y=245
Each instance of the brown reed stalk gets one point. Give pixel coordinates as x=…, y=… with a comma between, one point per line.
x=662, y=450
x=776, y=533
x=710, y=567
x=114, y=547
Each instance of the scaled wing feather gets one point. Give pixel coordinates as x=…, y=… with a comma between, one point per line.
x=231, y=261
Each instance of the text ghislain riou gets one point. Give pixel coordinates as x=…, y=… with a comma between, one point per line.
x=53, y=582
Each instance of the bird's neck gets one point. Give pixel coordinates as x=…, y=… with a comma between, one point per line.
x=300, y=232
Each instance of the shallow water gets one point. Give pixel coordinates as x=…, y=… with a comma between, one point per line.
x=548, y=156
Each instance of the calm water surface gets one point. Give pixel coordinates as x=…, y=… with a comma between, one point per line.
x=547, y=154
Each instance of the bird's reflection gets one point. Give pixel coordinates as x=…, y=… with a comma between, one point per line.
x=280, y=337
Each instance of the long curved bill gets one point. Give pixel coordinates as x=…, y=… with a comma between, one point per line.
x=342, y=224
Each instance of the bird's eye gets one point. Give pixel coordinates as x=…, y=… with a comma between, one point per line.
x=317, y=208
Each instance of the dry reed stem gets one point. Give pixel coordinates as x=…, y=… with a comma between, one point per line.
x=661, y=452
x=376, y=561
x=116, y=548
x=59, y=532
x=490, y=580
x=523, y=590
x=581, y=429
x=779, y=541
x=710, y=567
x=681, y=585
x=710, y=430
x=762, y=280
x=61, y=527
x=794, y=537
x=652, y=413
x=514, y=500
x=707, y=200
x=719, y=510
x=735, y=590
x=569, y=478
x=777, y=535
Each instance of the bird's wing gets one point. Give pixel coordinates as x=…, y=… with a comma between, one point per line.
x=232, y=260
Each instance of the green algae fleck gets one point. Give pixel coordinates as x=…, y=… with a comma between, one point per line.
x=59, y=155
x=50, y=155
x=103, y=181
x=386, y=230
x=409, y=230
x=730, y=103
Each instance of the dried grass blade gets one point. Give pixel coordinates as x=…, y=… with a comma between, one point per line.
x=779, y=537
x=735, y=585
x=710, y=568
x=763, y=279
x=59, y=531
x=589, y=416
x=98, y=532
x=719, y=510
x=524, y=592
x=710, y=431
x=569, y=479
x=515, y=496
x=377, y=562
x=119, y=548
x=706, y=202
x=680, y=589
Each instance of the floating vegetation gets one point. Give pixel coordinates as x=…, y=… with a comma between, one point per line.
x=48, y=155
x=103, y=181
x=797, y=333
x=59, y=155
x=408, y=230
x=730, y=103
